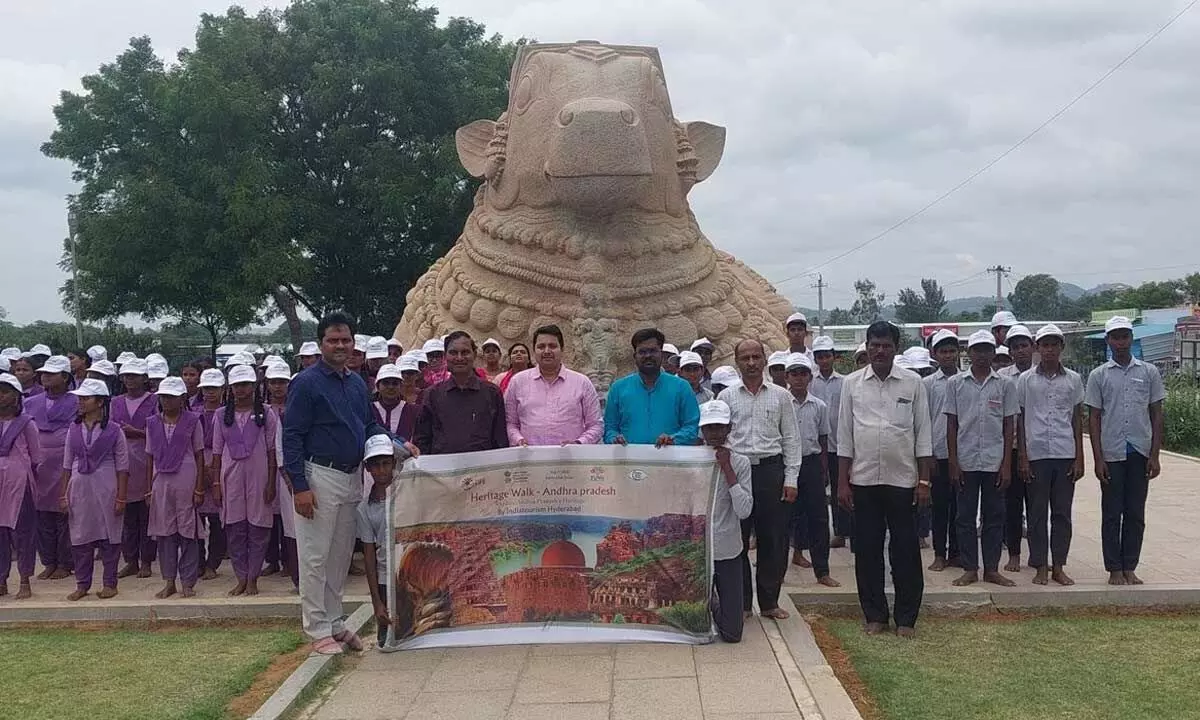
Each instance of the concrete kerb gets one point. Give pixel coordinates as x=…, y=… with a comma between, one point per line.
x=310, y=671
x=957, y=603
x=833, y=703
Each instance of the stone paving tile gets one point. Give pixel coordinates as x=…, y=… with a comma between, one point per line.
x=656, y=699
x=460, y=706
x=643, y=661
x=746, y=687
x=372, y=695
x=560, y=711
x=753, y=716
x=585, y=678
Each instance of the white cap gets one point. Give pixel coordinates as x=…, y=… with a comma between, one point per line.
x=12, y=381
x=1117, y=322
x=418, y=355
x=5, y=365
x=103, y=367
x=1017, y=331
x=407, y=363
x=918, y=355
x=56, y=364
x=241, y=374
x=11, y=353
x=942, y=336
x=688, y=358
x=860, y=350
x=433, y=345
x=136, y=366
x=242, y=358
x=795, y=361
x=795, y=318
x=393, y=342
x=981, y=337
x=40, y=349
x=1003, y=351
x=1004, y=319
x=377, y=348
x=97, y=353
x=714, y=412
x=157, y=369
x=360, y=344
x=91, y=388
x=309, y=348
x=726, y=375
x=388, y=372
x=777, y=358
x=125, y=357
x=490, y=341
x=173, y=386
x=154, y=356
x=1051, y=330
x=270, y=360
x=378, y=446
x=278, y=371
x=669, y=350
x=702, y=342
x=822, y=343
x=903, y=361
x=212, y=378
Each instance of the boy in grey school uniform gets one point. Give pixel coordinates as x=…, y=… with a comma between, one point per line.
x=810, y=513
x=371, y=521
x=1020, y=343
x=981, y=410
x=944, y=505
x=1125, y=396
x=827, y=385
x=734, y=501
x=1050, y=439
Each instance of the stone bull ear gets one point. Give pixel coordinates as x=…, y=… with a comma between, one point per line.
x=708, y=141
x=472, y=142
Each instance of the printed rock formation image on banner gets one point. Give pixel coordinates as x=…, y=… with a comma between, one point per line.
x=548, y=545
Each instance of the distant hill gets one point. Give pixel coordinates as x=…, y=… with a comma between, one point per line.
x=974, y=304
x=1072, y=292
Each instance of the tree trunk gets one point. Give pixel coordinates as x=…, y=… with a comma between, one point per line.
x=287, y=306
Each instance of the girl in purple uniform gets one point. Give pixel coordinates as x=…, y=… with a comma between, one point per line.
x=130, y=413
x=53, y=412
x=95, y=481
x=212, y=393
x=190, y=373
x=175, y=462
x=22, y=369
x=243, y=468
x=20, y=451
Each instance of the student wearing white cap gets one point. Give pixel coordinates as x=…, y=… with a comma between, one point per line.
x=691, y=368
x=1126, y=396
x=52, y=413
x=943, y=498
x=212, y=400
x=1016, y=499
x=38, y=354
x=20, y=452
x=1002, y=320
x=827, y=384
x=377, y=355
x=97, y=352
x=79, y=362
x=860, y=357
x=724, y=377
x=281, y=546
x=130, y=413
x=705, y=349
x=670, y=359
x=492, y=355
x=357, y=362
x=1050, y=438
x=104, y=371
x=731, y=507
x=1002, y=359
x=379, y=464
x=309, y=354
x=980, y=408
x=156, y=370
x=395, y=350
x=797, y=332
x=10, y=353
x=810, y=513
x=435, y=354
x=393, y=409
x=777, y=367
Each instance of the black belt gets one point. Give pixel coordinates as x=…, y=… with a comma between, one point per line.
x=768, y=460
x=332, y=465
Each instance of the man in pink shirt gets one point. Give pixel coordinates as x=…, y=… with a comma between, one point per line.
x=549, y=404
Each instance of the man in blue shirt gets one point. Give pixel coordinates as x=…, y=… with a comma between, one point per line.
x=651, y=406
x=326, y=423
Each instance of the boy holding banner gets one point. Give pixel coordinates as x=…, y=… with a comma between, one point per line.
x=734, y=502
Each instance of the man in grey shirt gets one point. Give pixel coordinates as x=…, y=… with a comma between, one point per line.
x=1125, y=396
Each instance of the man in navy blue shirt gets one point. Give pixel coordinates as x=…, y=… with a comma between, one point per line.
x=326, y=424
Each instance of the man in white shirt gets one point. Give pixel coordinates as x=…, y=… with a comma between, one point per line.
x=827, y=385
x=885, y=450
x=764, y=430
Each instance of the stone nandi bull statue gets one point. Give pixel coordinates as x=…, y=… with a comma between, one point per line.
x=583, y=220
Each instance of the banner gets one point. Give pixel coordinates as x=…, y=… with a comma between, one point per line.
x=591, y=543
x=928, y=331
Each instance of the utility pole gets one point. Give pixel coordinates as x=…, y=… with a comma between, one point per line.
x=71, y=230
x=820, y=286
x=1001, y=273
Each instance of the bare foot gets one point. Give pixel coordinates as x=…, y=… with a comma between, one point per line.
x=777, y=613
x=828, y=581
x=1130, y=579
x=167, y=591
x=145, y=571
x=77, y=595
x=188, y=591
x=906, y=632
x=969, y=577
x=837, y=542
x=874, y=628
x=60, y=574
x=106, y=593
x=24, y=592
x=1014, y=564
x=995, y=578
x=128, y=571
x=938, y=565
x=208, y=574
x=45, y=573
x=252, y=587
x=239, y=589
x=1116, y=578
x=924, y=543
x=270, y=570
x=1042, y=577
x=799, y=560
x=1059, y=576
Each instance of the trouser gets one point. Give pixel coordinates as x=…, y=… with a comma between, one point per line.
x=943, y=512
x=20, y=541
x=1123, y=513
x=85, y=559
x=290, y=561
x=247, y=548
x=809, y=514
x=324, y=545
x=381, y=629
x=1051, y=494
x=924, y=521
x=843, y=519
x=880, y=510
x=1016, y=505
x=54, y=539
x=136, y=545
x=726, y=604
x=179, y=556
x=768, y=521
x=978, y=495
x=213, y=553
x=275, y=543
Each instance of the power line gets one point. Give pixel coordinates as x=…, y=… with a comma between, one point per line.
x=988, y=166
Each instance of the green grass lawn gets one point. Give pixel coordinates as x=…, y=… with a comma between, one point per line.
x=132, y=674
x=1114, y=668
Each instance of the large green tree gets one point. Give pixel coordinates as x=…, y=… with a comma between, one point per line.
x=302, y=158
x=1038, y=297
x=928, y=305
x=869, y=305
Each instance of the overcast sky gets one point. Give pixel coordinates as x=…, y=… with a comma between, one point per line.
x=843, y=118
